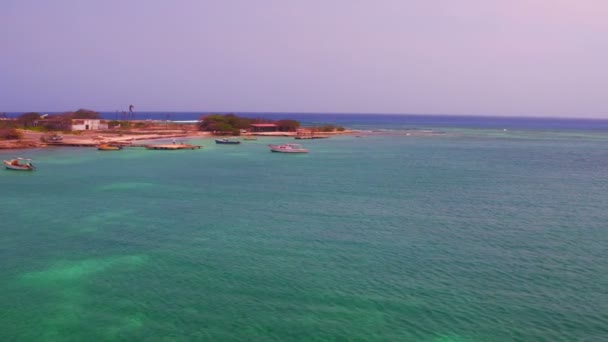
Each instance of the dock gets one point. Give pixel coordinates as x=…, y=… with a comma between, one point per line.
x=72, y=144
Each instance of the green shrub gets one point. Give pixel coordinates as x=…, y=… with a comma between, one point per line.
x=10, y=134
x=28, y=119
x=230, y=123
x=330, y=128
x=38, y=129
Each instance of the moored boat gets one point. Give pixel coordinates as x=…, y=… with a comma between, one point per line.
x=107, y=147
x=227, y=141
x=19, y=164
x=171, y=147
x=288, y=148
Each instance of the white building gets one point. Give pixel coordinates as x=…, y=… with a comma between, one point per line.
x=89, y=124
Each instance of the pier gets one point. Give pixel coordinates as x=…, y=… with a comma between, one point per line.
x=73, y=144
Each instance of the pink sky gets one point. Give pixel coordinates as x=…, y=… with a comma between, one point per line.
x=526, y=58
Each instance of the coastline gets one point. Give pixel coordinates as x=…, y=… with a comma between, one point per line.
x=90, y=139
x=32, y=139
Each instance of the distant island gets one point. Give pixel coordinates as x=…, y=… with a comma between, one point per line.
x=231, y=124
x=85, y=127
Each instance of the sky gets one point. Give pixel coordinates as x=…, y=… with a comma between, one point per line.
x=467, y=57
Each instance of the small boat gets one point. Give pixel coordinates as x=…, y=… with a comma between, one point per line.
x=227, y=141
x=171, y=147
x=53, y=138
x=288, y=148
x=106, y=147
x=19, y=164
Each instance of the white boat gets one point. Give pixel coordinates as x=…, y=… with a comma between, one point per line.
x=227, y=141
x=19, y=164
x=288, y=148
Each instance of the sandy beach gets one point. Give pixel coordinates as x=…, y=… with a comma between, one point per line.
x=32, y=139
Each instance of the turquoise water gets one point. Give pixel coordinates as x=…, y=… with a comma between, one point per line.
x=477, y=236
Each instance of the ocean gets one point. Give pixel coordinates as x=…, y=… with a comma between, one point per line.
x=493, y=229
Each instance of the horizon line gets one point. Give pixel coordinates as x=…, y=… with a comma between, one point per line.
x=165, y=112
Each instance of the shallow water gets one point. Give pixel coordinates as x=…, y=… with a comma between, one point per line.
x=475, y=236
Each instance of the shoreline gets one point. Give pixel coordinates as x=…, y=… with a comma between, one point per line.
x=32, y=139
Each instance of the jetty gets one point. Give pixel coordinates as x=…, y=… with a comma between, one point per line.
x=73, y=144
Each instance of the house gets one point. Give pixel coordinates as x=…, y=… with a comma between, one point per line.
x=88, y=124
x=264, y=127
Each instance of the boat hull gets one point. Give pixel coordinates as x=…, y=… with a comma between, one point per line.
x=20, y=167
x=286, y=149
x=227, y=142
x=109, y=148
x=172, y=147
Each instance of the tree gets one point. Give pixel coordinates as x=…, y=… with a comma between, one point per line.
x=232, y=124
x=287, y=125
x=9, y=134
x=330, y=128
x=56, y=123
x=8, y=123
x=84, y=114
x=28, y=119
x=214, y=122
